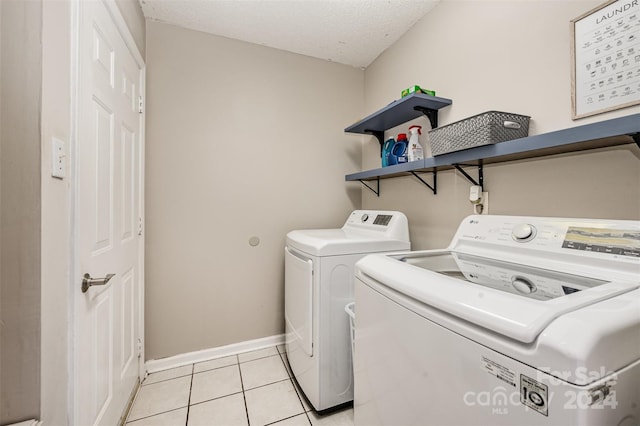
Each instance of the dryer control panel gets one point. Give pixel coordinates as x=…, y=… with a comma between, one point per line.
x=392, y=224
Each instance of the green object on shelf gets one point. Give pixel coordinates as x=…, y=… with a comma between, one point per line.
x=417, y=89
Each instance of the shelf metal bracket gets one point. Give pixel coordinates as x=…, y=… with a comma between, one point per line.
x=434, y=188
x=432, y=115
x=479, y=182
x=375, y=191
x=379, y=134
x=636, y=138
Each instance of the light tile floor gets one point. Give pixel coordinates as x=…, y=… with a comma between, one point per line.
x=253, y=388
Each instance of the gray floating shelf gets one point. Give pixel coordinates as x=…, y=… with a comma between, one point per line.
x=400, y=111
x=608, y=133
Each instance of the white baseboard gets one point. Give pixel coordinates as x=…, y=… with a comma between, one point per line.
x=27, y=423
x=154, y=365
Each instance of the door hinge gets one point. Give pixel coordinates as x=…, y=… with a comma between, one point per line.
x=140, y=105
x=139, y=347
x=139, y=226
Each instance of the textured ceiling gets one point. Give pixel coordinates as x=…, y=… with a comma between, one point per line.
x=351, y=32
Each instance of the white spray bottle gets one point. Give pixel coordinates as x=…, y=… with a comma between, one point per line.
x=414, y=151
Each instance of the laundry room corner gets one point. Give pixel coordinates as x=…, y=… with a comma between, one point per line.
x=488, y=55
x=244, y=143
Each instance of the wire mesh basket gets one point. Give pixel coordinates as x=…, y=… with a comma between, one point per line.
x=483, y=129
x=350, y=309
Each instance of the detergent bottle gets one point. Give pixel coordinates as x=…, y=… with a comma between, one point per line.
x=386, y=151
x=415, y=152
x=399, y=151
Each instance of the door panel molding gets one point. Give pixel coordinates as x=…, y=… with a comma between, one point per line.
x=105, y=51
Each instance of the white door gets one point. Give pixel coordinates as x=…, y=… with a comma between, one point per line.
x=108, y=212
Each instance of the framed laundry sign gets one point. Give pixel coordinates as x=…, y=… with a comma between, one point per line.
x=605, y=54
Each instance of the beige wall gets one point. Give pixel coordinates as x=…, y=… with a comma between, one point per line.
x=20, y=214
x=56, y=208
x=133, y=16
x=242, y=141
x=507, y=56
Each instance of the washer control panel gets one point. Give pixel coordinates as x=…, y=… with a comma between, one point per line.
x=617, y=239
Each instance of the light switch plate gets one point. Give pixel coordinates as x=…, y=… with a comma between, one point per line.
x=58, y=159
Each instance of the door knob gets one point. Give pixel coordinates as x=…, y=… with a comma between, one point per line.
x=87, y=281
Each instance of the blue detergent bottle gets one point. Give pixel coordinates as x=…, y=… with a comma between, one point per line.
x=386, y=151
x=398, y=153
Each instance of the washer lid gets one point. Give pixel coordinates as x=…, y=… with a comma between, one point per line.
x=333, y=242
x=514, y=300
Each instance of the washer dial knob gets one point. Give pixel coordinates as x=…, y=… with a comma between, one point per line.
x=364, y=217
x=523, y=232
x=523, y=285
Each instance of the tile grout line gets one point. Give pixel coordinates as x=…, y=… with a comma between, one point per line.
x=212, y=369
x=288, y=378
x=257, y=359
x=270, y=383
x=244, y=397
x=241, y=391
x=281, y=420
x=153, y=415
x=216, y=398
x=304, y=410
x=165, y=380
x=193, y=366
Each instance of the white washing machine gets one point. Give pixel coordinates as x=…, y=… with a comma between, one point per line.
x=319, y=275
x=521, y=321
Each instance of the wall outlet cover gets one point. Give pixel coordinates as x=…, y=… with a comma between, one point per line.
x=58, y=159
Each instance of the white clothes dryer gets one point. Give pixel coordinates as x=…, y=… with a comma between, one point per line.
x=521, y=321
x=319, y=275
